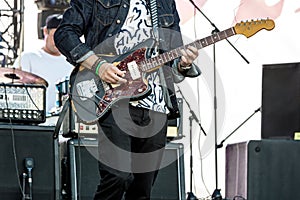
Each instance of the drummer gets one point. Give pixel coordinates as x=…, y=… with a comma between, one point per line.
x=46, y=62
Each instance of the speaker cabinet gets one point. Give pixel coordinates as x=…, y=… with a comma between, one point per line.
x=18, y=142
x=84, y=177
x=175, y=126
x=170, y=182
x=280, y=100
x=266, y=169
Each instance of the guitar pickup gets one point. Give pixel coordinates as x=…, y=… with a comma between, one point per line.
x=134, y=70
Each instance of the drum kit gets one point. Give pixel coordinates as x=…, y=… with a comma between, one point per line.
x=16, y=76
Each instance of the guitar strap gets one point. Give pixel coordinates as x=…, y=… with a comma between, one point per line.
x=165, y=73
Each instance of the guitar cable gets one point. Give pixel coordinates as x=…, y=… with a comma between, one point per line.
x=14, y=146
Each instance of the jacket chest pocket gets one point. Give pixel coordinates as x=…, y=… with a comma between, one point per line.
x=165, y=13
x=166, y=20
x=107, y=10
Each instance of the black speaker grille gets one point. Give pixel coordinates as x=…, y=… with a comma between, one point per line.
x=33, y=142
x=169, y=184
x=260, y=170
x=280, y=100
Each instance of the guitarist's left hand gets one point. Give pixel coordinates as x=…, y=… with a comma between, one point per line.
x=187, y=58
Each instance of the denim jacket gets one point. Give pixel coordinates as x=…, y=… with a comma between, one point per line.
x=100, y=20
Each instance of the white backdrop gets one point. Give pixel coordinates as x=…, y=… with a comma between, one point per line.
x=238, y=83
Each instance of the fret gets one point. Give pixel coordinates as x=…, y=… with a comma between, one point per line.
x=222, y=35
x=178, y=52
x=154, y=62
x=217, y=36
x=146, y=65
x=208, y=41
x=225, y=34
x=173, y=54
x=198, y=44
x=149, y=64
x=158, y=60
x=194, y=44
x=168, y=56
x=212, y=37
x=230, y=32
x=203, y=42
x=142, y=66
x=162, y=59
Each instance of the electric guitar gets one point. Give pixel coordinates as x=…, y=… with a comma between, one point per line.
x=91, y=97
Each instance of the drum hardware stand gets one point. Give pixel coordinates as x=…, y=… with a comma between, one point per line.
x=216, y=194
x=193, y=116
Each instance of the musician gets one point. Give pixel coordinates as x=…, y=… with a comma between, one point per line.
x=132, y=135
x=46, y=62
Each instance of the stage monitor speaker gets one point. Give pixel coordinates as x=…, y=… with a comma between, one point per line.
x=84, y=177
x=265, y=169
x=36, y=145
x=280, y=100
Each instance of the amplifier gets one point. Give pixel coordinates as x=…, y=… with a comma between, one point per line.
x=22, y=103
x=263, y=169
x=81, y=178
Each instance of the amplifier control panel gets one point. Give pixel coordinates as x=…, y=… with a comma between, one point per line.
x=22, y=103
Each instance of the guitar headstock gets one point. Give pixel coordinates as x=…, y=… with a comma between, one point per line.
x=249, y=28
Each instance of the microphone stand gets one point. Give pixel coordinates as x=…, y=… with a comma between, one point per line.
x=221, y=144
x=193, y=116
x=216, y=194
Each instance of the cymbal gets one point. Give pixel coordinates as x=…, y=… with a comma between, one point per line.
x=12, y=75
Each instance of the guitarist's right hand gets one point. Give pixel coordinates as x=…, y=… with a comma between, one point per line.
x=111, y=74
x=107, y=71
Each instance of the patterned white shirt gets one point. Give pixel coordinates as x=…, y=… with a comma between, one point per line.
x=136, y=29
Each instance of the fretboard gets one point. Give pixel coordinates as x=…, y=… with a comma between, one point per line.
x=152, y=63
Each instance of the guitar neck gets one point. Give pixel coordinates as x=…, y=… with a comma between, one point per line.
x=154, y=63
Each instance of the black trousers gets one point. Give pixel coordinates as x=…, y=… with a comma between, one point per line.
x=131, y=145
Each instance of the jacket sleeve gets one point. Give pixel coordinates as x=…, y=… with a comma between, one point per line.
x=74, y=23
x=171, y=38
